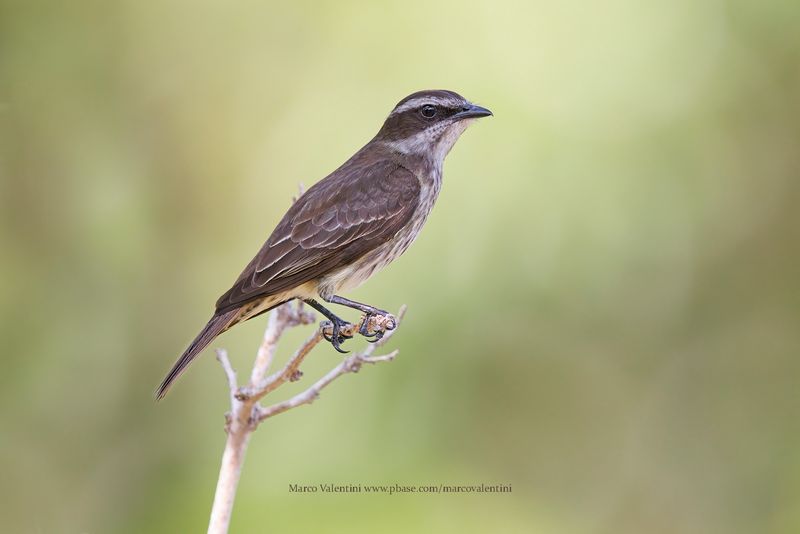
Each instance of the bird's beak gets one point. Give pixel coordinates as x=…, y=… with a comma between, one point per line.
x=471, y=111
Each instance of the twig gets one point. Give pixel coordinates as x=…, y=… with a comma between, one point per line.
x=258, y=388
x=222, y=358
x=247, y=412
x=350, y=365
x=273, y=381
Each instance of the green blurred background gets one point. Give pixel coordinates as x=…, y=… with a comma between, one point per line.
x=604, y=308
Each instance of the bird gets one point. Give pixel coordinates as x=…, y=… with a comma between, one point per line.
x=348, y=225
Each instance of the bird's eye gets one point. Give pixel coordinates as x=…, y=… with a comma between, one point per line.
x=428, y=111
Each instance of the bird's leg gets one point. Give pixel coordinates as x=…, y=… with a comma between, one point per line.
x=337, y=337
x=369, y=312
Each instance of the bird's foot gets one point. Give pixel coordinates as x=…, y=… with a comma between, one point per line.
x=383, y=322
x=336, y=336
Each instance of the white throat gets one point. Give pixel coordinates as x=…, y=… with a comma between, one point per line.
x=440, y=137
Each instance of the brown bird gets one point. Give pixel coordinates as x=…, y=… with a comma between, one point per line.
x=350, y=224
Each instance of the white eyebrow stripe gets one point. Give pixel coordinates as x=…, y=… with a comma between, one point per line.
x=420, y=100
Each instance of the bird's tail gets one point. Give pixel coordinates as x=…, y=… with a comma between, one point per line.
x=217, y=325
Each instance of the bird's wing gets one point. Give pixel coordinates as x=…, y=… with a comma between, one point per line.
x=338, y=220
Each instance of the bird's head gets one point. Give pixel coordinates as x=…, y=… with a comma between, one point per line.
x=428, y=123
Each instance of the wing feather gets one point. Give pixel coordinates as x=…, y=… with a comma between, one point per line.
x=354, y=210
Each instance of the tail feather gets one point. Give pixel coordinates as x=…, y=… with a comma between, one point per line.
x=217, y=325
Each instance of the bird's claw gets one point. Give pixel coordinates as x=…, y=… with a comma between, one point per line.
x=374, y=337
x=336, y=338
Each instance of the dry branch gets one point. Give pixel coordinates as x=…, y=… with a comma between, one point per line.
x=246, y=410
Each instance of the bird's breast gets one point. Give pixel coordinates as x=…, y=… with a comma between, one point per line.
x=358, y=272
